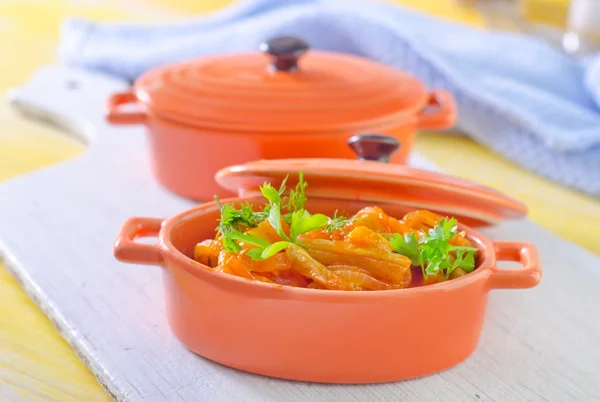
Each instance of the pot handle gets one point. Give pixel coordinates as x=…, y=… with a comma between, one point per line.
x=439, y=112
x=115, y=116
x=128, y=250
x=526, y=277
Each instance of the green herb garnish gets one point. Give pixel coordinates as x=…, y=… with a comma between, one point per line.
x=299, y=219
x=269, y=251
x=297, y=198
x=433, y=252
x=337, y=222
x=274, y=198
x=303, y=221
x=407, y=245
x=233, y=221
x=234, y=218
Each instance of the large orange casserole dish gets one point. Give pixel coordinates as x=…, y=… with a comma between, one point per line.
x=333, y=336
x=283, y=102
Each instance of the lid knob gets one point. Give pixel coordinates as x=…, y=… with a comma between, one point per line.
x=284, y=52
x=373, y=147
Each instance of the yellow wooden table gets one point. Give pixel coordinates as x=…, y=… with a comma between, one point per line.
x=35, y=363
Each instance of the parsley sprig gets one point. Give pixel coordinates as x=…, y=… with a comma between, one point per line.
x=433, y=252
x=234, y=221
x=233, y=218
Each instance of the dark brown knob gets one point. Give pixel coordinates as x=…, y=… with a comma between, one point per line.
x=373, y=147
x=284, y=52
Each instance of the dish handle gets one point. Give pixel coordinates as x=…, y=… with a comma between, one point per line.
x=128, y=250
x=526, y=277
x=116, y=116
x=439, y=112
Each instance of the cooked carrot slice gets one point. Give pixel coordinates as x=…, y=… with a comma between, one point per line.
x=278, y=262
x=266, y=231
x=307, y=266
x=360, y=277
x=207, y=252
x=363, y=236
x=384, y=265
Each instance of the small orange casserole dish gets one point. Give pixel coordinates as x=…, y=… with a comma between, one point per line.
x=283, y=102
x=333, y=336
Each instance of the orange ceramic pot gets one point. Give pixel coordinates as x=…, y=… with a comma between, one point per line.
x=321, y=335
x=203, y=115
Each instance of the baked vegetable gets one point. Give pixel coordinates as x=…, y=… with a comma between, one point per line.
x=283, y=243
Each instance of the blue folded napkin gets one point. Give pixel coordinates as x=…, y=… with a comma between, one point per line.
x=516, y=95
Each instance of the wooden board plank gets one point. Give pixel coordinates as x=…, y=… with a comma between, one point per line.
x=57, y=227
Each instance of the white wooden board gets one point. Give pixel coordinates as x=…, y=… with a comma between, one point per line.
x=57, y=228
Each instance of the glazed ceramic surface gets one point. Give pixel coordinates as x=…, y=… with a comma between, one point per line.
x=319, y=335
x=387, y=185
x=284, y=102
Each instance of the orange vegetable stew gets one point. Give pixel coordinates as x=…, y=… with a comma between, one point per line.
x=283, y=243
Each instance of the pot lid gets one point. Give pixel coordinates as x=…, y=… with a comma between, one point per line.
x=371, y=179
x=284, y=87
